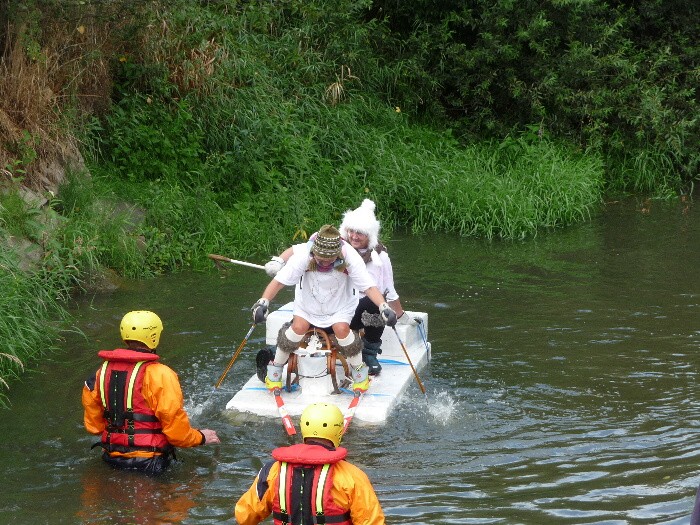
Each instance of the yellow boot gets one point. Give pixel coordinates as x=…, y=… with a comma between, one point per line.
x=360, y=378
x=273, y=379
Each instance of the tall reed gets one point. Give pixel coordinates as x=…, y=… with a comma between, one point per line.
x=31, y=317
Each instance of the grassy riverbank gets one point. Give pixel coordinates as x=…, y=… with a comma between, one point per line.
x=235, y=128
x=420, y=180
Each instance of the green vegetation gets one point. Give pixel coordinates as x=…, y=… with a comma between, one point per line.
x=28, y=301
x=617, y=78
x=233, y=127
x=257, y=120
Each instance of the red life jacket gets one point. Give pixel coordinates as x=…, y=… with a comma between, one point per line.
x=131, y=424
x=303, y=487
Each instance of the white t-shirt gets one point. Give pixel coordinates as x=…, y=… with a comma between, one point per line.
x=326, y=298
x=379, y=267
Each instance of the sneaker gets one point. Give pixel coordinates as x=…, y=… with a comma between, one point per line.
x=273, y=379
x=372, y=362
x=360, y=378
x=262, y=359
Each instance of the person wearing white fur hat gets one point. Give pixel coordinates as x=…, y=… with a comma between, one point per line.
x=360, y=228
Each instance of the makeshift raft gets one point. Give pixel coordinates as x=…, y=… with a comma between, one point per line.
x=313, y=377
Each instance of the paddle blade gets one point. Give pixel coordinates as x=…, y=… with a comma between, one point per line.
x=286, y=419
x=350, y=412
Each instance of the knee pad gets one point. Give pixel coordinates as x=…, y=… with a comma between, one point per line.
x=353, y=348
x=284, y=343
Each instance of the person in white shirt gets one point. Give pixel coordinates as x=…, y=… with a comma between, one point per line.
x=326, y=279
x=360, y=228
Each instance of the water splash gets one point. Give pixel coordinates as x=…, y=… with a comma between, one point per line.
x=442, y=406
x=200, y=403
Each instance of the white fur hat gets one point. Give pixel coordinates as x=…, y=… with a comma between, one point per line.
x=362, y=220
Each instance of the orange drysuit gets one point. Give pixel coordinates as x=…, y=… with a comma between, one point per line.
x=350, y=489
x=161, y=393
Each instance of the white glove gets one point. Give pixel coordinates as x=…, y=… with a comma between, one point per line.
x=407, y=320
x=274, y=265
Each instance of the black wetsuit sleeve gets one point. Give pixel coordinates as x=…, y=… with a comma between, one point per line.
x=90, y=383
x=262, y=485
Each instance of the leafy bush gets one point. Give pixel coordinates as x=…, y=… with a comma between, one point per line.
x=619, y=78
x=150, y=139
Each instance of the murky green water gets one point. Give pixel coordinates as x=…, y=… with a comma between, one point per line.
x=563, y=388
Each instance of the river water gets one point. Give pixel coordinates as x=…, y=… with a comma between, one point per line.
x=562, y=389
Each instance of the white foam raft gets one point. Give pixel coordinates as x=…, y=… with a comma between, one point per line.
x=315, y=383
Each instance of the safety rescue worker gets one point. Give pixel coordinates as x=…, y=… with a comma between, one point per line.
x=311, y=482
x=135, y=402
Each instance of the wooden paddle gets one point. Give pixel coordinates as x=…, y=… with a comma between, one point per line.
x=235, y=356
x=420, y=384
x=216, y=258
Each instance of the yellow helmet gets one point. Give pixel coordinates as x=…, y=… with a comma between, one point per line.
x=322, y=420
x=142, y=326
